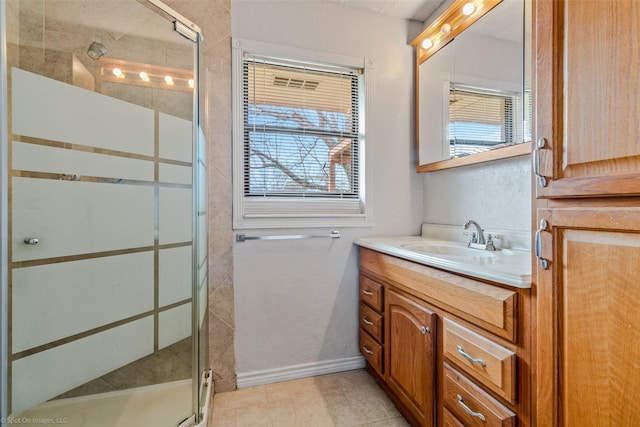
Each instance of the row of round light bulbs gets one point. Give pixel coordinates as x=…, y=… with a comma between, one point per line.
x=467, y=10
x=145, y=77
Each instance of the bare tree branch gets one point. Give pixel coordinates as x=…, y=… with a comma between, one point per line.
x=298, y=179
x=308, y=170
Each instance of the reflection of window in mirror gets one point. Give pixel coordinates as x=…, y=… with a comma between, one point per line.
x=481, y=119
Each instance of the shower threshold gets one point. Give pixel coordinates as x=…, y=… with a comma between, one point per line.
x=165, y=404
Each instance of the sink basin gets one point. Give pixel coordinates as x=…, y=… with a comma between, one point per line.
x=449, y=250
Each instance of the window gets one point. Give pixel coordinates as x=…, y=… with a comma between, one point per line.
x=298, y=138
x=481, y=119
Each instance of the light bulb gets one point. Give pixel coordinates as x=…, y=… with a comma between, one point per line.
x=427, y=43
x=117, y=72
x=468, y=9
x=191, y=83
x=445, y=29
x=168, y=80
x=144, y=76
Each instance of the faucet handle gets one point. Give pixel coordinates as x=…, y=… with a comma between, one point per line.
x=473, y=238
x=490, y=245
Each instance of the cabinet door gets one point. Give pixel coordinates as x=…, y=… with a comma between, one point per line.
x=586, y=97
x=410, y=356
x=588, y=317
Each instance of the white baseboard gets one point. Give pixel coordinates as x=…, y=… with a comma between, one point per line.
x=270, y=376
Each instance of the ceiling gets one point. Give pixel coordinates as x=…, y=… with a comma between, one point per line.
x=417, y=10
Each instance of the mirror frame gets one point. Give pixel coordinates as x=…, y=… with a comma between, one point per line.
x=458, y=22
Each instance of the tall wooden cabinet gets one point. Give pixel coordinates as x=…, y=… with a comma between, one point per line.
x=587, y=213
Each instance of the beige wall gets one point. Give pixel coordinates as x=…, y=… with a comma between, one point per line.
x=297, y=300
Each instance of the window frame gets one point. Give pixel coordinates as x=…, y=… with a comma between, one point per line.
x=293, y=212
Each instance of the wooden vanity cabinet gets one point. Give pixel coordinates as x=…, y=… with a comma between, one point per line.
x=447, y=335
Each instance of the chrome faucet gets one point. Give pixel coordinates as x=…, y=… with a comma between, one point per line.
x=479, y=237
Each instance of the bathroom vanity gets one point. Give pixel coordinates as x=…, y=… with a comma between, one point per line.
x=445, y=329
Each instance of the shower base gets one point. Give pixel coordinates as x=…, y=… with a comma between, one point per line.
x=166, y=404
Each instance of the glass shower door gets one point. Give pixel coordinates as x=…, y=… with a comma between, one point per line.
x=105, y=268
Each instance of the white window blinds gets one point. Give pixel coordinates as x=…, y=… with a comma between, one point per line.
x=301, y=131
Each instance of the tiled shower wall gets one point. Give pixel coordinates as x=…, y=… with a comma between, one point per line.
x=214, y=17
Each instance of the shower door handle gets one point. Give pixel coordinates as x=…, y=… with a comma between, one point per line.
x=30, y=241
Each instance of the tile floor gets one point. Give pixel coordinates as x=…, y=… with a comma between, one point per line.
x=346, y=399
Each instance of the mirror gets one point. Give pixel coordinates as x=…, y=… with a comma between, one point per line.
x=471, y=102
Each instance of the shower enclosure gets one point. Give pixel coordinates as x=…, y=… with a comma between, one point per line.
x=103, y=231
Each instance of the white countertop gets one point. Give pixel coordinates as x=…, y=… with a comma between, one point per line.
x=510, y=265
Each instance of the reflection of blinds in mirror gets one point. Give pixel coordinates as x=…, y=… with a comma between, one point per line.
x=480, y=120
x=528, y=105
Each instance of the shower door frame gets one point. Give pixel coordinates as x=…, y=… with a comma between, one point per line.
x=192, y=32
x=4, y=226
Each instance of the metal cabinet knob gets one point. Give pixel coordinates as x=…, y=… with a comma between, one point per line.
x=30, y=241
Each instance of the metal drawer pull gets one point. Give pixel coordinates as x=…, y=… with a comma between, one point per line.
x=466, y=408
x=366, y=292
x=366, y=350
x=367, y=321
x=425, y=330
x=469, y=358
x=31, y=241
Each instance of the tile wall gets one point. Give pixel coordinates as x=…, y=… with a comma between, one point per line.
x=214, y=17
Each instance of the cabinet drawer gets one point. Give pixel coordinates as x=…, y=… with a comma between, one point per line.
x=481, y=358
x=471, y=405
x=371, y=293
x=371, y=322
x=371, y=350
x=449, y=420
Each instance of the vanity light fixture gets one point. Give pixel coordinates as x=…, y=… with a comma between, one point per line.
x=453, y=21
x=148, y=75
x=468, y=9
x=427, y=43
